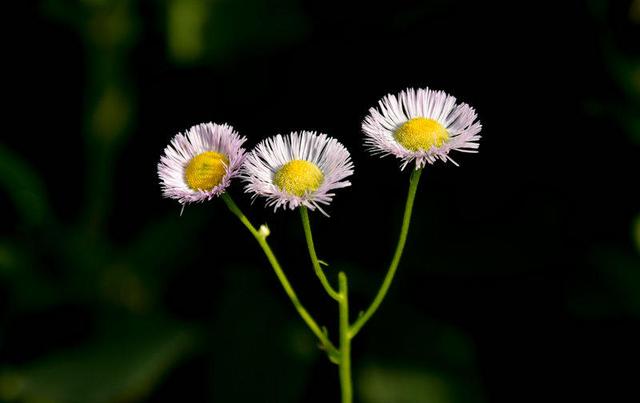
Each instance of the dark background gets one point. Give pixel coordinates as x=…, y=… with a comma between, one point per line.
x=521, y=277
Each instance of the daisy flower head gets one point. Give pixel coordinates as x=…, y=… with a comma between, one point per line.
x=421, y=125
x=199, y=164
x=300, y=169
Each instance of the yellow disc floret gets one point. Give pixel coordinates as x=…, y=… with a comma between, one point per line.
x=206, y=170
x=421, y=134
x=298, y=177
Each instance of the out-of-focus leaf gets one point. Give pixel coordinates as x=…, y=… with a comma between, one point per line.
x=390, y=384
x=386, y=385
x=111, y=24
x=631, y=122
x=612, y=287
x=625, y=70
x=173, y=233
x=123, y=286
x=27, y=289
x=140, y=274
x=265, y=344
x=210, y=28
x=634, y=11
x=82, y=258
x=442, y=345
x=636, y=232
x=186, y=21
x=24, y=187
x=123, y=367
x=9, y=259
x=111, y=114
x=622, y=274
x=434, y=362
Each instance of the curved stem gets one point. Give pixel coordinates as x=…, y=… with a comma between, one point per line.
x=345, y=341
x=304, y=214
x=382, y=292
x=261, y=237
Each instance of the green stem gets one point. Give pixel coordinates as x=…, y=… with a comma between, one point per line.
x=345, y=341
x=304, y=214
x=382, y=292
x=261, y=237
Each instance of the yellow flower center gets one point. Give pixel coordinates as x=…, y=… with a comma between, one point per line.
x=298, y=177
x=206, y=170
x=421, y=134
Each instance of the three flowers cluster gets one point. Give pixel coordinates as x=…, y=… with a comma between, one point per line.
x=304, y=168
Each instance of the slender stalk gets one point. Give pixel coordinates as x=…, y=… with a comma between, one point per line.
x=345, y=341
x=304, y=214
x=261, y=237
x=382, y=292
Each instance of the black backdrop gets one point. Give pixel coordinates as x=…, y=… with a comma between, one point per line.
x=520, y=280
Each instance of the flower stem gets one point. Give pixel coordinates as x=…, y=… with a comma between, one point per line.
x=261, y=237
x=345, y=341
x=382, y=292
x=304, y=214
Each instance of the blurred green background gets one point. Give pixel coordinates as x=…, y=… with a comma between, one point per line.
x=521, y=277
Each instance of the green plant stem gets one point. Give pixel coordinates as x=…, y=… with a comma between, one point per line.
x=304, y=214
x=382, y=292
x=345, y=341
x=261, y=237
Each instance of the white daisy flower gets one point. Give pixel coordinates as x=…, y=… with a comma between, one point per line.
x=199, y=164
x=421, y=125
x=300, y=169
